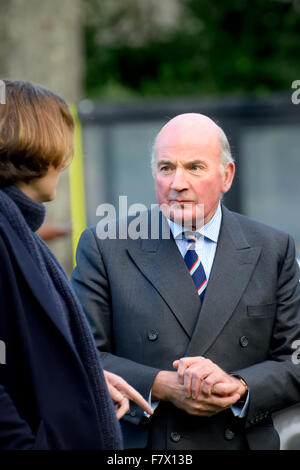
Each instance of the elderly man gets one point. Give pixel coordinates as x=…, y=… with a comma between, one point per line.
x=202, y=323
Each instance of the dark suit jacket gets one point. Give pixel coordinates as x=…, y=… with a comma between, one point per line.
x=45, y=398
x=145, y=313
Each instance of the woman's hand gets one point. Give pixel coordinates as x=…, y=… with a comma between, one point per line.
x=121, y=392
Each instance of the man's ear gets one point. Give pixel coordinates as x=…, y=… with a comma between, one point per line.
x=228, y=176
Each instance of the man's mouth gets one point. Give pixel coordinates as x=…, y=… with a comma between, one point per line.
x=180, y=201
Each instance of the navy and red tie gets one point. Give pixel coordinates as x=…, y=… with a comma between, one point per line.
x=195, y=267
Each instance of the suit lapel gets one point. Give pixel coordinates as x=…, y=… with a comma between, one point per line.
x=162, y=264
x=233, y=265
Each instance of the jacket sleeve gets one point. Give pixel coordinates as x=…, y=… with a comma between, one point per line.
x=15, y=432
x=91, y=284
x=275, y=383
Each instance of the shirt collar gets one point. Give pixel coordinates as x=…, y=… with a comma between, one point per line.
x=210, y=230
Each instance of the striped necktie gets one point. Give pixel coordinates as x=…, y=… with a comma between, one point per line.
x=195, y=267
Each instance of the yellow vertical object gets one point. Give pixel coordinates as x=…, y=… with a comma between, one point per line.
x=77, y=190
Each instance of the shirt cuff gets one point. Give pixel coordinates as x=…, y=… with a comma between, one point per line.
x=240, y=410
x=153, y=404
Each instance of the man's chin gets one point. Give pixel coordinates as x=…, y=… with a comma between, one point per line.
x=181, y=216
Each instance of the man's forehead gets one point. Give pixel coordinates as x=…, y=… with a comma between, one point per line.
x=188, y=132
x=171, y=153
x=187, y=148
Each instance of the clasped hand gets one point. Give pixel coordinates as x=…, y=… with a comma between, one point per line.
x=199, y=387
x=207, y=388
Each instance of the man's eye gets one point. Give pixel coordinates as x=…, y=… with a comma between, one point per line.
x=164, y=168
x=197, y=168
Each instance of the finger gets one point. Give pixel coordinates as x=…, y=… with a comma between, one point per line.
x=225, y=402
x=114, y=393
x=122, y=408
x=186, y=362
x=114, y=379
x=122, y=386
x=175, y=364
x=195, y=385
x=223, y=389
x=135, y=396
x=210, y=381
x=182, y=366
x=197, y=373
x=187, y=383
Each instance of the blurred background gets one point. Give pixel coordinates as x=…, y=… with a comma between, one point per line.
x=130, y=65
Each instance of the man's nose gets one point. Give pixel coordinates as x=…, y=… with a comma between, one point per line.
x=179, y=182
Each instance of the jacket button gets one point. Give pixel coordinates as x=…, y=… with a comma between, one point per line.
x=152, y=335
x=244, y=341
x=175, y=437
x=132, y=413
x=229, y=434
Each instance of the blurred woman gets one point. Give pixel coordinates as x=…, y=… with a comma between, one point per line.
x=53, y=393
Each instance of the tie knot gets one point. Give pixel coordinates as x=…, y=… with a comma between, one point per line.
x=190, y=237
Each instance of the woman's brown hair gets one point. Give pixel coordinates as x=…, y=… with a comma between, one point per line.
x=36, y=131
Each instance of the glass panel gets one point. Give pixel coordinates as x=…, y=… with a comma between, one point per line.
x=132, y=146
x=270, y=177
x=94, y=170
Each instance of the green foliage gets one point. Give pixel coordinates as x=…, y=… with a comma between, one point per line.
x=231, y=47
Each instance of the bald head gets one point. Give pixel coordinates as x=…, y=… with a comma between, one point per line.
x=187, y=130
x=192, y=130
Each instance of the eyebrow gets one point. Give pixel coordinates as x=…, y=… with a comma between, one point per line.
x=164, y=162
x=193, y=162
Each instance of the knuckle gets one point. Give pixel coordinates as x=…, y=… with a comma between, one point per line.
x=208, y=380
